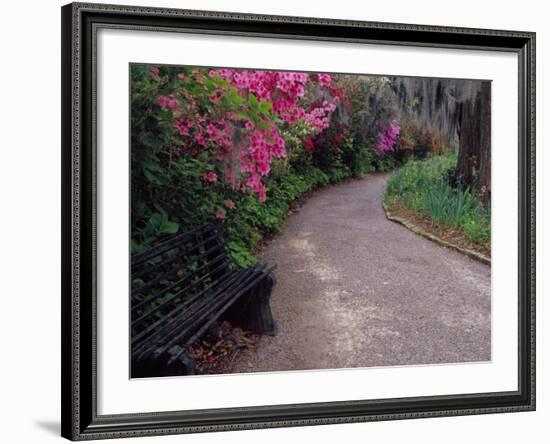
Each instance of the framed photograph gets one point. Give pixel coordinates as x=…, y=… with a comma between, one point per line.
x=276, y=221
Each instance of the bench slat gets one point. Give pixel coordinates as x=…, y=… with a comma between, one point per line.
x=220, y=268
x=244, y=281
x=175, y=322
x=136, y=274
x=161, y=248
x=180, y=307
x=179, y=282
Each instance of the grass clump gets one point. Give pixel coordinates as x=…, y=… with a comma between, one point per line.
x=422, y=187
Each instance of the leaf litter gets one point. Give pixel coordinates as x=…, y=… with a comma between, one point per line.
x=215, y=352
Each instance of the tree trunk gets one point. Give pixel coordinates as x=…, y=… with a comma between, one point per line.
x=474, y=153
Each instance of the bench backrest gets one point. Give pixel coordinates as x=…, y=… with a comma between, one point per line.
x=170, y=276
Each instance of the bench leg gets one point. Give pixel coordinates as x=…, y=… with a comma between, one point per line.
x=156, y=367
x=252, y=310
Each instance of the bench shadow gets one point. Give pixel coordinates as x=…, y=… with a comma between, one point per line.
x=53, y=427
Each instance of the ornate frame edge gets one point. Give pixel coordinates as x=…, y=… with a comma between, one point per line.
x=73, y=426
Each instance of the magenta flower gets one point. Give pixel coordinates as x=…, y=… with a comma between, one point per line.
x=325, y=79
x=167, y=102
x=229, y=204
x=262, y=197
x=183, y=126
x=210, y=177
x=199, y=138
x=387, y=139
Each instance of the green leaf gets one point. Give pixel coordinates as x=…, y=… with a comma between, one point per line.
x=264, y=125
x=156, y=220
x=243, y=114
x=265, y=107
x=170, y=227
x=253, y=102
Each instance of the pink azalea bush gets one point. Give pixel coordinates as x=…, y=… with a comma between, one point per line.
x=387, y=138
x=233, y=114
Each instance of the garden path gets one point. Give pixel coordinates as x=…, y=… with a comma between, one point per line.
x=356, y=290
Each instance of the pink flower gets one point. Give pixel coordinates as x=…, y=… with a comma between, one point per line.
x=212, y=131
x=181, y=75
x=183, y=126
x=229, y=204
x=308, y=144
x=387, y=138
x=167, y=102
x=261, y=195
x=220, y=214
x=200, y=139
x=325, y=79
x=210, y=177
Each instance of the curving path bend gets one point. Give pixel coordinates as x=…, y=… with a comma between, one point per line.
x=356, y=290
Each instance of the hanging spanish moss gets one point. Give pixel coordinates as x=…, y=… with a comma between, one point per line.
x=458, y=109
x=435, y=104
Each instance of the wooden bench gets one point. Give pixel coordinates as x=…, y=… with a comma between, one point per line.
x=180, y=289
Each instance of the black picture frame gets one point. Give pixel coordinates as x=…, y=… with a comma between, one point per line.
x=79, y=385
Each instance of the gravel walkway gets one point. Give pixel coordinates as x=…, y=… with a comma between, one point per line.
x=356, y=290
